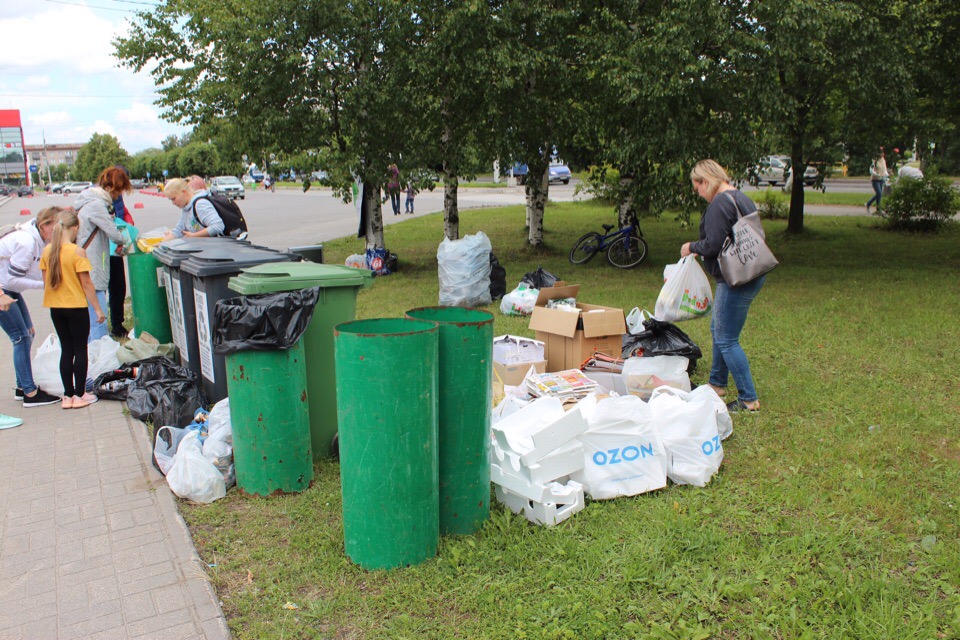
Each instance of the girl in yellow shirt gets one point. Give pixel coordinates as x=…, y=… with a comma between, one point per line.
x=67, y=288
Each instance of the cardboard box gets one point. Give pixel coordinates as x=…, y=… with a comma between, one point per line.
x=512, y=374
x=570, y=338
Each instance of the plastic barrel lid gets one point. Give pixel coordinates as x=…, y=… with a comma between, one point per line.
x=231, y=260
x=290, y=276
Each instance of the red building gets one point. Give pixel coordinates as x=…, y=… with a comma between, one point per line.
x=13, y=160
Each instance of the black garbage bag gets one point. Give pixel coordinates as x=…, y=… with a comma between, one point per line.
x=392, y=262
x=661, y=338
x=113, y=385
x=164, y=393
x=498, y=278
x=263, y=322
x=539, y=279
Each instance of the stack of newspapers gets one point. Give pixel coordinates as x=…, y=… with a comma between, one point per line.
x=570, y=384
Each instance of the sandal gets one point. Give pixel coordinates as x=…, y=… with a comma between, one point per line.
x=739, y=406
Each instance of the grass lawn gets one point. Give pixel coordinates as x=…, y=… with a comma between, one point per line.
x=834, y=515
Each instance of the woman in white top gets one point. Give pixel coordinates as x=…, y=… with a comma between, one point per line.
x=878, y=178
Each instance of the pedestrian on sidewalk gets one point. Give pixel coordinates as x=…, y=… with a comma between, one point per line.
x=117, y=287
x=98, y=228
x=67, y=290
x=20, y=253
x=393, y=188
x=878, y=178
x=411, y=194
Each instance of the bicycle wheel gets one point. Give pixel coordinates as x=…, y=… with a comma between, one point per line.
x=586, y=247
x=627, y=252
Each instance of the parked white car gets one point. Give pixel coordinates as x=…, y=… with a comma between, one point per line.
x=229, y=186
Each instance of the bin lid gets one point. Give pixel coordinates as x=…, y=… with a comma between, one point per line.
x=173, y=252
x=291, y=276
x=230, y=260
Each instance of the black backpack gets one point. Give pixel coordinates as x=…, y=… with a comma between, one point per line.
x=229, y=212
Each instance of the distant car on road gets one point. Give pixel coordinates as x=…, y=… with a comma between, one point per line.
x=229, y=186
x=4, y=190
x=24, y=190
x=138, y=184
x=75, y=187
x=559, y=172
x=775, y=170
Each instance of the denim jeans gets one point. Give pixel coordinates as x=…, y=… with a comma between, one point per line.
x=877, y=192
x=97, y=329
x=395, y=201
x=16, y=323
x=730, y=306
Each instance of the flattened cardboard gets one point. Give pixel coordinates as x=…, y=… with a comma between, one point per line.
x=512, y=374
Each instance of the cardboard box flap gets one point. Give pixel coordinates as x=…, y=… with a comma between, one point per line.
x=555, y=321
x=602, y=321
x=552, y=293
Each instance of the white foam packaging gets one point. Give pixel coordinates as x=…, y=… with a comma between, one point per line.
x=566, y=459
x=538, y=429
x=546, y=513
x=623, y=451
x=689, y=432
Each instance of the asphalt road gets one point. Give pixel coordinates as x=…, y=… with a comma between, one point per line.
x=290, y=217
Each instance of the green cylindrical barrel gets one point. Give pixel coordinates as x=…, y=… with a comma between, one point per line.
x=150, y=314
x=466, y=357
x=386, y=372
x=270, y=420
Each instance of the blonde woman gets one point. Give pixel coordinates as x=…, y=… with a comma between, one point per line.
x=67, y=290
x=730, y=304
x=198, y=217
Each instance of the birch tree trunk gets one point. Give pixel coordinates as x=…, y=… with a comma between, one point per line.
x=374, y=214
x=451, y=212
x=537, y=191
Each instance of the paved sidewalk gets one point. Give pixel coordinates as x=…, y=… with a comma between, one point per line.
x=91, y=542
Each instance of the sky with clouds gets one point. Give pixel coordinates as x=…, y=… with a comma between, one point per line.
x=59, y=71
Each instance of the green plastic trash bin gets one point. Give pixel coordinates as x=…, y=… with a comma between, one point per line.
x=211, y=269
x=337, y=304
x=270, y=422
x=387, y=405
x=149, y=297
x=466, y=369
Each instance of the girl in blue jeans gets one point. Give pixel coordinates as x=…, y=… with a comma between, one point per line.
x=730, y=304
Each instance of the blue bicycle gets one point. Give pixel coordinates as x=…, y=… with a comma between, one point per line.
x=625, y=248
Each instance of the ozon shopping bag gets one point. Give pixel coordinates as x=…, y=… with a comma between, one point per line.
x=686, y=293
x=623, y=454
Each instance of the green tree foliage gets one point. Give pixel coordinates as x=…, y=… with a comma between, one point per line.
x=102, y=151
x=289, y=76
x=198, y=158
x=820, y=64
x=661, y=92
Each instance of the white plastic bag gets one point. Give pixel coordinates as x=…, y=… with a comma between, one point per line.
x=193, y=477
x=642, y=375
x=690, y=436
x=704, y=392
x=46, y=366
x=102, y=357
x=165, y=446
x=623, y=452
x=686, y=293
x=635, y=320
x=520, y=301
x=218, y=447
x=463, y=267
x=357, y=260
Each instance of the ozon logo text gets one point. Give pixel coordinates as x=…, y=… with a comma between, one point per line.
x=626, y=454
x=709, y=447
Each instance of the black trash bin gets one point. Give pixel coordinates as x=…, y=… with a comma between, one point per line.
x=211, y=270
